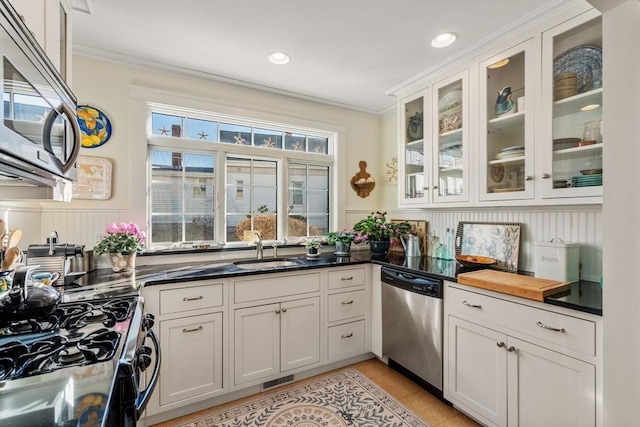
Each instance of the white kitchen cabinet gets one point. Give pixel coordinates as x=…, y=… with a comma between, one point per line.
x=276, y=338
x=512, y=364
x=506, y=144
x=414, y=158
x=570, y=142
x=191, y=357
x=434, y=144
x=192, y=322
x=50, y=23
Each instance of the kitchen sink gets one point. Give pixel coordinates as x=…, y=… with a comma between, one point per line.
x=256, y=264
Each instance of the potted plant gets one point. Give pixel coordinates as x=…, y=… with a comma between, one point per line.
x=122, y=242
x=376, y=230
x=342, y=240
x=312, y=247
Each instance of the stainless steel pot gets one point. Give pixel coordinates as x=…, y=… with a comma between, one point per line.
x=84, y=263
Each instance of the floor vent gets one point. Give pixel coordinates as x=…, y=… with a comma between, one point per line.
x=277, y=382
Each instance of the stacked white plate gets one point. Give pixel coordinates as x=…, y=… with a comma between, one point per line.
x=506, y=153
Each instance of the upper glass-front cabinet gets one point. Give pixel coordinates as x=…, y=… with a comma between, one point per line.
x=571, y=164
x=413, y=169
x=450, y=139
x=506, y=122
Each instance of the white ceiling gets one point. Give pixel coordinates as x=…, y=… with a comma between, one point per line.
x=344, y=52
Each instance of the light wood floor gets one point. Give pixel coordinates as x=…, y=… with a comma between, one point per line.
x=422, y=403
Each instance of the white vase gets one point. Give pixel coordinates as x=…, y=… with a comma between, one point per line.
x=122, y=262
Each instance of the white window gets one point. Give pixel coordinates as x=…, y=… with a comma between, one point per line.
x=276, y=179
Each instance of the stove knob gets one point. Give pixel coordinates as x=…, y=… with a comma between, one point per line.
x=143, y=358
x=148, y=322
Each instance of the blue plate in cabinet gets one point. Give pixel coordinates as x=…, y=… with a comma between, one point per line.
x=586, y=62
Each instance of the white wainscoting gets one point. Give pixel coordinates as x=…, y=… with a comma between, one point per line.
x=573, y=224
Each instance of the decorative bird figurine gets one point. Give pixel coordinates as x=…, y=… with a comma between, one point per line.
x=504, y=104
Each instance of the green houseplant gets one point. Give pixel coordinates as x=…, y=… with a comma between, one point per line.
x=342, y=240
x=376, y=230
x=312, y=247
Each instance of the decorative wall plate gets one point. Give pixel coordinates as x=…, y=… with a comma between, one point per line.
x=95, y=126
x=586, y=62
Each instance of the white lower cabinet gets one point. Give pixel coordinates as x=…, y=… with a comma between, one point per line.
x=502, y=373
x=274, y=338
x=191, y=357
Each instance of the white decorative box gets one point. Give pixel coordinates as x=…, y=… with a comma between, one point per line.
x=558, y=260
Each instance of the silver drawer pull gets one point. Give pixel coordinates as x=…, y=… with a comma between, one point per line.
x=500, y=344
x=543, y=326
x=347, y=302
x=199, y=328
x=347, y=336
x=347, y=278
x=192, y=299
x=471, y=305
x=511, y=349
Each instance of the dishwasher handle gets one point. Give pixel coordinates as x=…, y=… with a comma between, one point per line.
x=411, y=282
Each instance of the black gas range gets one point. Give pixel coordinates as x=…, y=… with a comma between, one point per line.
x=84, y=364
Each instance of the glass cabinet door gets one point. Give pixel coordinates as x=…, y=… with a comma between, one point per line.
x=506, y=122
x=450, y=136
x=413, y=172
x=572, y=87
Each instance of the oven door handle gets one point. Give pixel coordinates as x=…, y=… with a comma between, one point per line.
x=145, y=395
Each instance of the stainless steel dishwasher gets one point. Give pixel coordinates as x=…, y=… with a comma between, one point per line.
x=412, y=318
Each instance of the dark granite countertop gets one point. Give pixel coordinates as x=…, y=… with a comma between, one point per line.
x=582, y=296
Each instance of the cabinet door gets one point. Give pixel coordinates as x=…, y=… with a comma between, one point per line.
x=506, y=158
x=478, y=369
x=549, y=389
x=413, y=157
x=256, y=342
x=571, y=138
x=300, y=333
x=450, y=139
x=191, y=357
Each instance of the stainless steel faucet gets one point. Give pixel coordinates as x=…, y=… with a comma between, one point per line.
x=258, y=242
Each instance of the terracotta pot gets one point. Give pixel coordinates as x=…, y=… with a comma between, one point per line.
x=122, y=262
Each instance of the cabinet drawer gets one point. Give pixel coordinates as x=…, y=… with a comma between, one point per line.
x=345, y=305
x=346, y=278
x=266, y=287
x=578, y=334
x=346, y=340
x=190, y=298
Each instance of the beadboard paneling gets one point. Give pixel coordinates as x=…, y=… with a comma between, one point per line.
x=576, y=224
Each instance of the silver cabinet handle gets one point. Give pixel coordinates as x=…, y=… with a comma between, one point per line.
x=546, y=176
x=425, y=188
x=435, y=187
x=528, y=178
x=543, y=326
x=278, y=311
x=500, y=344
x=347, y=336
x=511, y=348
x=347, y=278
x=471, y=305
x=347, y=302
x=192, y=299
x=284, y=310
x=199, y=328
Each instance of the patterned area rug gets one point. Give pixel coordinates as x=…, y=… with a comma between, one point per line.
x=343, y=399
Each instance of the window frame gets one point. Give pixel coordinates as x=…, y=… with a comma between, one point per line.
x=221, y=150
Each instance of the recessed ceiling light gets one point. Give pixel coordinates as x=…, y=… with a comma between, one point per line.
x=279, y=58
x=589, y=107
x=499, y=64
x=444, y=40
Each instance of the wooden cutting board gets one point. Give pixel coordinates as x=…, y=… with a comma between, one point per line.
x=513, y=284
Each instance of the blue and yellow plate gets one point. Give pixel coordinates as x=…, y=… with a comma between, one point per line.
x=95, y=126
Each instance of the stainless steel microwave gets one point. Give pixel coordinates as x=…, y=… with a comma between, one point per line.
x=39, y=134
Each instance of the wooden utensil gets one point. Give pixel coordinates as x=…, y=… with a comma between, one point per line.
x=11, y=255
x=14, y=238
